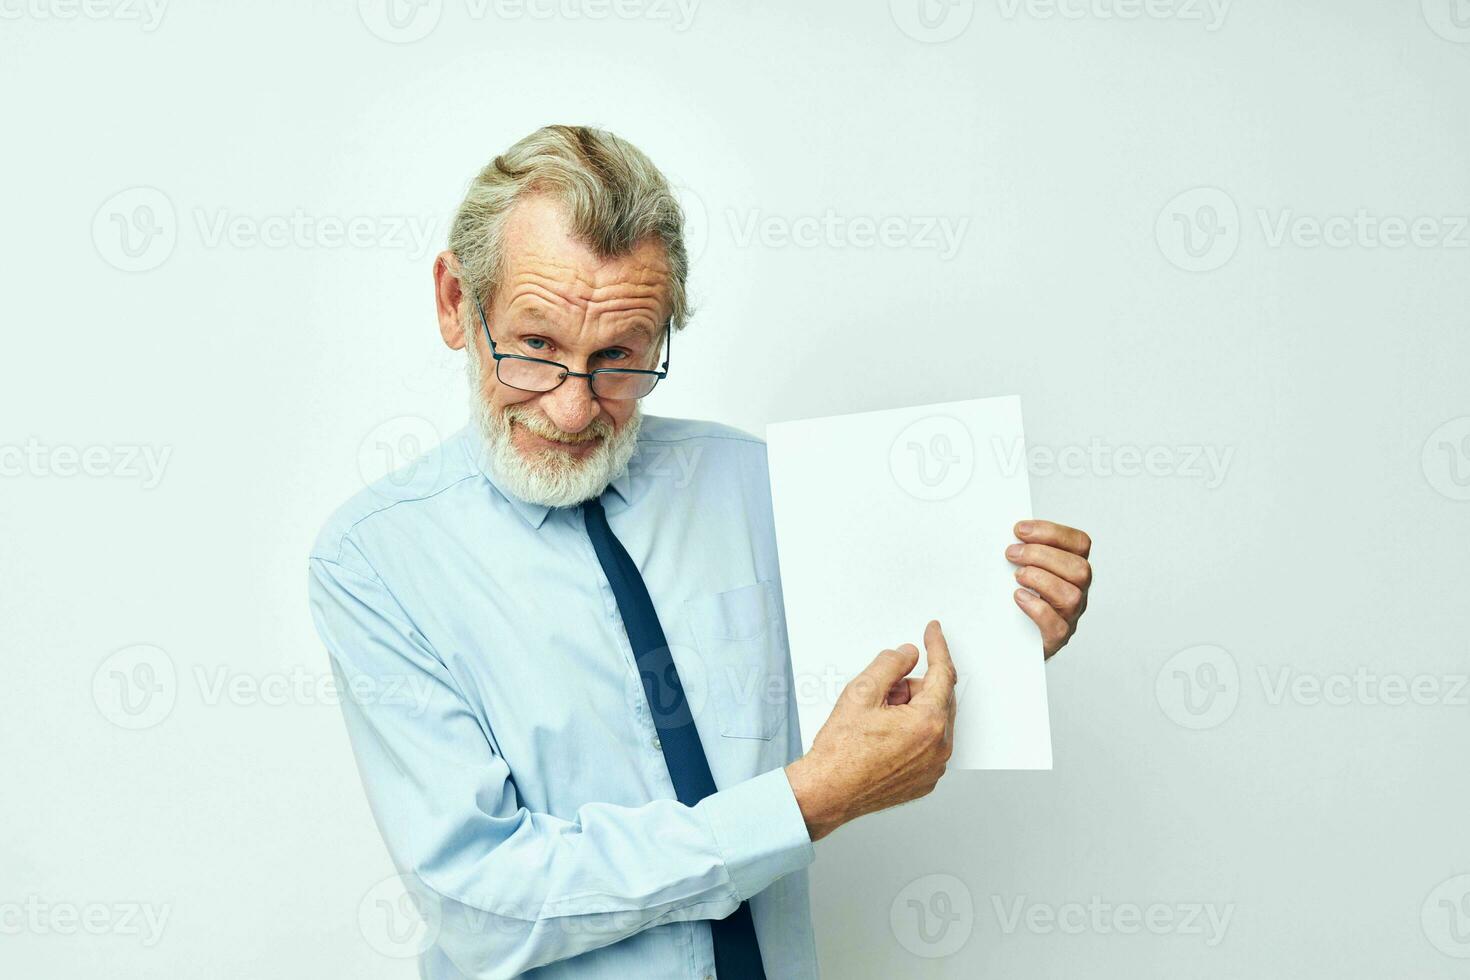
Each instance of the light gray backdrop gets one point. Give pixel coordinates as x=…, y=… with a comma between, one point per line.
x=1221, y=252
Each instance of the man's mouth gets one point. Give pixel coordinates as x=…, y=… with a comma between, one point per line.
x=575, y=447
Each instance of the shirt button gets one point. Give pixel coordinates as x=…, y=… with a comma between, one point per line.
x=659, y=745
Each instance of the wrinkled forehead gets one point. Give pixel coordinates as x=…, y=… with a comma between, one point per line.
x=547, y=268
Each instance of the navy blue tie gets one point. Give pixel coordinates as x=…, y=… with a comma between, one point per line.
x=737, y=954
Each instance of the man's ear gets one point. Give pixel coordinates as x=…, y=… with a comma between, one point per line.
x=447, y=296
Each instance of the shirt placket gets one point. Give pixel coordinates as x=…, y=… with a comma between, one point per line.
x=652, y=755
x=696, y=932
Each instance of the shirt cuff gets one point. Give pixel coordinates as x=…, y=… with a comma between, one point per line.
x=760, y=831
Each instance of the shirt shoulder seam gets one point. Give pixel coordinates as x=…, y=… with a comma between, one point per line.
x=347, y=532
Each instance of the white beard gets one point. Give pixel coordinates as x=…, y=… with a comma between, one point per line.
x=549, y=477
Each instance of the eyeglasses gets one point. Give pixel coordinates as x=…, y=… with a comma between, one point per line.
x=535, y=374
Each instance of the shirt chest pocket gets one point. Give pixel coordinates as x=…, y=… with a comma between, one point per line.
x=738, y=637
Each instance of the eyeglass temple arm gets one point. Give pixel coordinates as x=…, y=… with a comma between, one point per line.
x=483, y=323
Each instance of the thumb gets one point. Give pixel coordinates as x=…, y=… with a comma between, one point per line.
x=871, y=687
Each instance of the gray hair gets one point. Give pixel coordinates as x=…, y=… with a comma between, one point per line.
x=613, y=194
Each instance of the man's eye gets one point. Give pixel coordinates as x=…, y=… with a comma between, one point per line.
x=535, y=343
x=613, y=355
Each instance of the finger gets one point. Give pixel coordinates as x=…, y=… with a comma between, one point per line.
x=877, y=679
x=1064, y=564
x=1061, y=595
x=1056, y=535
x=1054, y=630
x=954, y=704
x=899, y=693
x=939, y=670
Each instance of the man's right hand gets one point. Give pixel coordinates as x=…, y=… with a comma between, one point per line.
x=886, y=742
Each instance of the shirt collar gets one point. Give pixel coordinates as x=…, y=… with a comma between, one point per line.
x=533, y=514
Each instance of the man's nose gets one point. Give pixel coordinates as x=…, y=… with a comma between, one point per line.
x=570, y=406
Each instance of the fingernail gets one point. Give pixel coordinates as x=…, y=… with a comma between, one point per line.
x=1014, y=551
x=1022, y=595
x=1025, y=527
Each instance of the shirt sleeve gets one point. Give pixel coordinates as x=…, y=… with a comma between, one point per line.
x=506, y=889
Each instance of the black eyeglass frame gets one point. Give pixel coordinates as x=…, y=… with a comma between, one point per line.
x=566, y=372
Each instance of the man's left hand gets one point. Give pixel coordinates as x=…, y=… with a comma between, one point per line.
x=1053, y=565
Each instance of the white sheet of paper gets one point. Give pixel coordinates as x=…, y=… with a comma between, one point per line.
x=886, y=520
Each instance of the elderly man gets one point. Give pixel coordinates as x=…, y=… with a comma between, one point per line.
x=594, y=779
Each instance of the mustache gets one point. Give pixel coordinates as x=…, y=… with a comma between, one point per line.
x=543, y=427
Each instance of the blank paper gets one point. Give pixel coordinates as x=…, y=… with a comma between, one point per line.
x=885, y=520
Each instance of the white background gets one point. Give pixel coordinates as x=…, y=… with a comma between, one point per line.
x=1333, y=542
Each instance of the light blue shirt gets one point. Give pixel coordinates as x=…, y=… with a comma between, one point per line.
x=502, y=732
